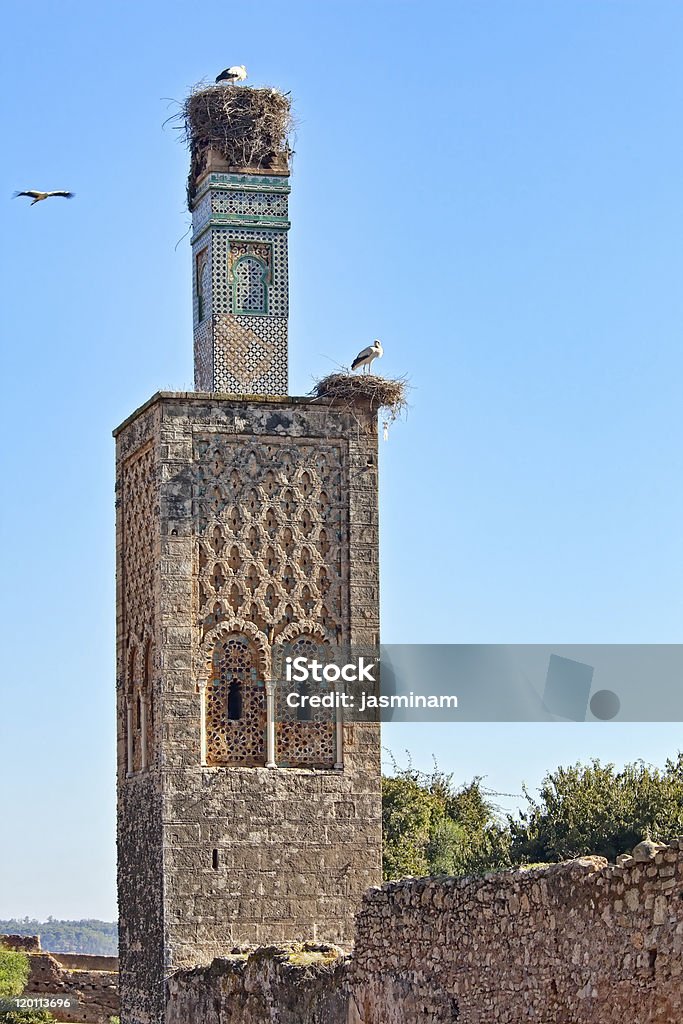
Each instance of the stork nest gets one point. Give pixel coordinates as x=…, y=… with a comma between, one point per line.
x=379, y=392
x=247, y=127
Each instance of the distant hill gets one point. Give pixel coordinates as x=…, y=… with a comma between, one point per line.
x=90, y=936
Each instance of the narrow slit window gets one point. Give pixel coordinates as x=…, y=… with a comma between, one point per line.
x=235, y=701
x=303, y=712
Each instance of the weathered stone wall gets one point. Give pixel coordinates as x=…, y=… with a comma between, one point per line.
x=87, y=962
x=578, y=943
x=139, y=829
x=284, y=984
x=21, y=943
x=90, y=983
x=95, y=991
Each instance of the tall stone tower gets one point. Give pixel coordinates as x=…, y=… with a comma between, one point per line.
x=246, y=519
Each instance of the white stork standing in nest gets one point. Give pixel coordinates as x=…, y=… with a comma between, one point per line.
x=237, y=73
x=366, y=357
x=38, y=197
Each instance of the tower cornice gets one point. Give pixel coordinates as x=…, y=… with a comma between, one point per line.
x=242, y=182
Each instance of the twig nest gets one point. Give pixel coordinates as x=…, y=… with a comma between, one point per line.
x=247, y=128
x=379, y=392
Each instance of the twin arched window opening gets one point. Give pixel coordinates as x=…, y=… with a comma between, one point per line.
x=235, y=713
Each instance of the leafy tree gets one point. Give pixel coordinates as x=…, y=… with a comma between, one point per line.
x=595, y=809
x=407, y=809
x=431, y=827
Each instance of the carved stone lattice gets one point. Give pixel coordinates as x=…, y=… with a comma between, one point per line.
x=270, y=540
x=236, y=714
x=305, y=735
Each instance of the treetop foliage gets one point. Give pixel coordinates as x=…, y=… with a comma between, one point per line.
x=431, y=826
x=595, y=809
x=86, y=936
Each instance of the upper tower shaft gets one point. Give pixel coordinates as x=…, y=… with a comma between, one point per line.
x=237, y=193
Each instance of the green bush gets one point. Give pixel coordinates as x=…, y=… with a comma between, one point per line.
x=12, y=1015
x=14, y=972
x=432, y=827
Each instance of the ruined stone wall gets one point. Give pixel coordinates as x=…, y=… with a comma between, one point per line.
x=87, y=962
x=89, y=983
x=578, y=943
x=94, y=993
x=21, y=943
x=275, y=984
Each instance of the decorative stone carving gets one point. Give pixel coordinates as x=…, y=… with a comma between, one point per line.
x=270, y=537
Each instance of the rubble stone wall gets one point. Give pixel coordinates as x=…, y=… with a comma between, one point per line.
x=583, y=942
x=21, y=943
x=287, y=984
x=95, y=993
x=89, y=983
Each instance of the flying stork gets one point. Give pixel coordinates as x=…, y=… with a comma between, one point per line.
x=237, y=73
x=365, y=358
x=38, y=197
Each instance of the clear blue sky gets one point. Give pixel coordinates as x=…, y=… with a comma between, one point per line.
x=494, y=189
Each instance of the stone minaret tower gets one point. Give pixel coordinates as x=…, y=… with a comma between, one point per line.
x=246, y=519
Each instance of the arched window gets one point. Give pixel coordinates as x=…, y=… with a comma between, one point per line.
x=235, y=703
x=202, y=283
x=250, y=286
x=305, y=735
